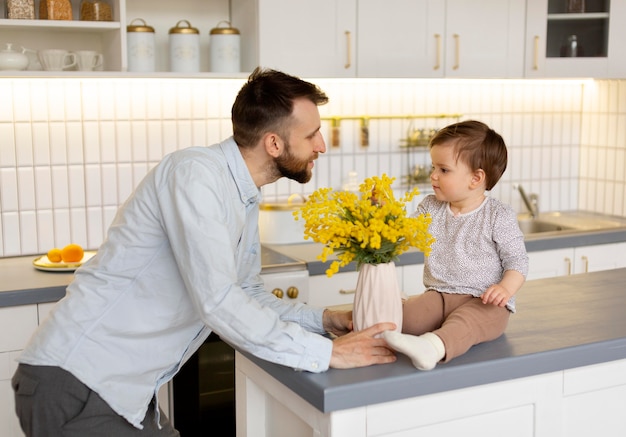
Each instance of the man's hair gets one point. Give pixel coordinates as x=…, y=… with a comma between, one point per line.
x=265, y=104
x=476, y=145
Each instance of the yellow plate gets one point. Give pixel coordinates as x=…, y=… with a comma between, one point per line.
x=43, y=263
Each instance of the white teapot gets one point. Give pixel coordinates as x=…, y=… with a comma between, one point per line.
x=11, y=59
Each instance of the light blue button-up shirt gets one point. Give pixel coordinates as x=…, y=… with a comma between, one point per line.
x=182, y=258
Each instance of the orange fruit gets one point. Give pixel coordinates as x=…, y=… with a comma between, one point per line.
x=72, y=253
x=54, y=255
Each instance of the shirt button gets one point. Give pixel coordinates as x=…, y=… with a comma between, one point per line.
x=314, y=365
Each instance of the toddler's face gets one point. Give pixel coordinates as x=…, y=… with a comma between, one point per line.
x=451, y=178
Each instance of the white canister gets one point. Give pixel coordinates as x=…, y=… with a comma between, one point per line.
x=141, y=47
x=224, y=48
x=184, y=48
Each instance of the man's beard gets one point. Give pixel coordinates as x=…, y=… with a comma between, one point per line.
x=291, y=167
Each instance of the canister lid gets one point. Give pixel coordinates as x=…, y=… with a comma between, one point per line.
x=139, y=27
x=224, y=30
x=185, y=30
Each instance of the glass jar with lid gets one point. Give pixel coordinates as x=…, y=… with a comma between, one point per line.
x=55, y=10
x=20, y=9
x=96, y=10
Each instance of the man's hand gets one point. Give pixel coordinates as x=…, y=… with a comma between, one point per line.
x=362, y=348
x=337, y=322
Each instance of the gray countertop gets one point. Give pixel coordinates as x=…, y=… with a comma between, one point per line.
x=561, y=323
x=22, y=284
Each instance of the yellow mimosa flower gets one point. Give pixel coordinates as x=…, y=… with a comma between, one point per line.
x=370, y=228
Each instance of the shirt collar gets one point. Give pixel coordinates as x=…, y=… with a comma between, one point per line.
x=248, y=191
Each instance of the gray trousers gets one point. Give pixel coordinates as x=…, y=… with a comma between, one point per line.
x=51, y=402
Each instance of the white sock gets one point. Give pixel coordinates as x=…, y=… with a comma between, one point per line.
x=425, y=351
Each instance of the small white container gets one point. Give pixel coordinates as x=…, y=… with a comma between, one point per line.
x=184, y=48
x=225, y=49
x=141, y=47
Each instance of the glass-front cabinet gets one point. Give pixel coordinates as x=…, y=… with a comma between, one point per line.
x=575, y=38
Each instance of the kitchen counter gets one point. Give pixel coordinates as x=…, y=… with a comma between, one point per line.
x=22, y=284
x=562, y=323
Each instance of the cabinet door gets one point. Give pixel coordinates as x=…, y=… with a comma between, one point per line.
x=337, y=290
x=549, y=26
x=484, y=38
x=300, y=37
x=400, y=38
x=600, y=257
x=550, y=263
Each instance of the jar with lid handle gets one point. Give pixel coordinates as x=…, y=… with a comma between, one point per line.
x=184, y=48
x=141, y=46
x=225, y=49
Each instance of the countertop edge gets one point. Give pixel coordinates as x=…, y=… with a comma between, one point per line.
x=443, y=379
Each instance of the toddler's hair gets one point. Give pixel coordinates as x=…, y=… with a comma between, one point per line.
x=476, y=145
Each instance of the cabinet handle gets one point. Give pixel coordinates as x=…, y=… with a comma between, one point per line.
x=586, y=261
x=342, y=291
x=348, y=51
x=536, y=54
x=457, y=50
x=569, y=265
x=437, y=51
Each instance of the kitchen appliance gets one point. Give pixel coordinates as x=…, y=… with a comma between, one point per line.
x=204, y=389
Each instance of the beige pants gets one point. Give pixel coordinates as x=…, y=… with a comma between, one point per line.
x=460, y=320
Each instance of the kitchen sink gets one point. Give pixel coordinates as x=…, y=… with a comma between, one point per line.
x=534, y=226
x=557, y=223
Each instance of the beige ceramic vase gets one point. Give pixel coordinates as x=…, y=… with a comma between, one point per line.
x=378, y=297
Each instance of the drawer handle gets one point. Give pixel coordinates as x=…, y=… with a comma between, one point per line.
x=586, y=261
x=536, y=54
x=438, y=51
x=349, y=51
x=569, y=265
x=342, y=291
x=457, y=51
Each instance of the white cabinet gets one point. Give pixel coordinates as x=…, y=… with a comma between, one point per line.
x=16, y=326
x=400, y=38
x=598, y=32
x=561, y=262
x=370, y=38
x=484, y=39
x=576, y=402
x=297, y=36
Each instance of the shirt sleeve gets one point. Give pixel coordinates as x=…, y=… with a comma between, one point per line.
x=198, y=219
x=510, y=241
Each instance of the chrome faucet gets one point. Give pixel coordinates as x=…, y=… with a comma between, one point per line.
x=531, y=202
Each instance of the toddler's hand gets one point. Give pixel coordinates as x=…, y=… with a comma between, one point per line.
x=496, y=295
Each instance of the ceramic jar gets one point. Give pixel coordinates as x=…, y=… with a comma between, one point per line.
x=141, y=47
x=225, y=49
x=184, y=48
x=11, y=59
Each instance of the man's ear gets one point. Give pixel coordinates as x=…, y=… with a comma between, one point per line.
x=273, y=144
x=479, y=177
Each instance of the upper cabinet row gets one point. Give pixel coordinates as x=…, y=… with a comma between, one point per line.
x=372, y=38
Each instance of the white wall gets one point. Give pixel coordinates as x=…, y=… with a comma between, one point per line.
x=71, y=150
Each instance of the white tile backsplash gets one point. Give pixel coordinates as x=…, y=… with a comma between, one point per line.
x=72, y=150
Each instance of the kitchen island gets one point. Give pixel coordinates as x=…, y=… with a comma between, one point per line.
x=559, y=370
